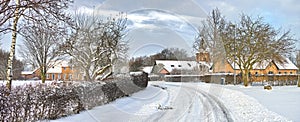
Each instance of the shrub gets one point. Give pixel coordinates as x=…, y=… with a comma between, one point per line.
x=44, y=101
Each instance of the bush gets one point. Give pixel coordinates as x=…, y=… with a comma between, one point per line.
x=268, y=87
x=43, y=102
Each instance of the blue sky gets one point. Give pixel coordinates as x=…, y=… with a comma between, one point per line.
x=157, y=24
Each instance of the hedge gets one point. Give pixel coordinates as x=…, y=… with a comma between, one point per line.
x=52, y=101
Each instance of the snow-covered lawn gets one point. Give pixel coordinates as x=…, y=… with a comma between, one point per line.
x=175, y=101
x=284, y=100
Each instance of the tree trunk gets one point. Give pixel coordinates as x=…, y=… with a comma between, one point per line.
x=43, y=77
x=245, y=77
x=13, y=46
x=87, y=76
x=298, y=81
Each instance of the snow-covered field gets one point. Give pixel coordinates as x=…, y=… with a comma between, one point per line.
x=284, y=100
x=170, y=101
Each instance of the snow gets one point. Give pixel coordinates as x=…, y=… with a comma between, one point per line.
x=170, y=65
x=27, y=72
x=176, y=101
x=283, y=100
x=56, y=67
x=148, y=69
x=135, y=73
x=139, y=104
x=288, y=64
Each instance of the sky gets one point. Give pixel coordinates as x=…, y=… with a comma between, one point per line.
x=157, y=24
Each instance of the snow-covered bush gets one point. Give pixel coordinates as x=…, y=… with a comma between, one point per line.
x=52, y=101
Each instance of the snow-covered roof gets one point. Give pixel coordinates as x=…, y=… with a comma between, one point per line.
x=135, y=73
x=148, y=69
x=287, y=64
x=27, y=72
x=171, y=64
x=205, y=63
x=56, y=67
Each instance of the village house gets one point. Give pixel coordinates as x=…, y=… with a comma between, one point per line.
x=174, y=67
x=267, y=70
x=59, y=71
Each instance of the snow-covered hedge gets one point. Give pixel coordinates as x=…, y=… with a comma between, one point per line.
x=45, y=101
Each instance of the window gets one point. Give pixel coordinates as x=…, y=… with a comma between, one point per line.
x=58, y=76
x=270, y=72
x=64, y=68
x=70, y=77
x=256, y=73
x=172, y=65
x=291, y=72
x=179, y=65
x=53, y=76
x=65, y=76
x=285, y=72
x=279, y=72
x=48, y=76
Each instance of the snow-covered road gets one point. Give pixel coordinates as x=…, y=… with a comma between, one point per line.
x=192, y=104
x=165, y=101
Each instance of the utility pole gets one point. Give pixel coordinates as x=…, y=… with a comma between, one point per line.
x=234, y=51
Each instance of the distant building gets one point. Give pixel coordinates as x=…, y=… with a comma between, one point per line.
x=260, y=71
x=265, y=68
x=59, y=70
x=167, y=67
x=35, y=74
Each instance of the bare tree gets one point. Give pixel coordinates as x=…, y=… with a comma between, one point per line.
x=254, y=43
x=41, y=46
x=96, y=44
x=209, y=36
x=6, y=12
x=249, y=42
x=44, y=11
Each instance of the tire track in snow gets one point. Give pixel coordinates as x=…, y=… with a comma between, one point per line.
x=194, y=99
x=214, y=106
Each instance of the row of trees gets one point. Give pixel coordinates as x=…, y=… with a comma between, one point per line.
x=135, y=64
x=247, y=42
x=94, y=43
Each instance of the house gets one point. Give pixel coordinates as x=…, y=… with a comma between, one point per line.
x=260, y=72
x=167, y=67
x=269, y=67
x=59, y=70
x=35, y=74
